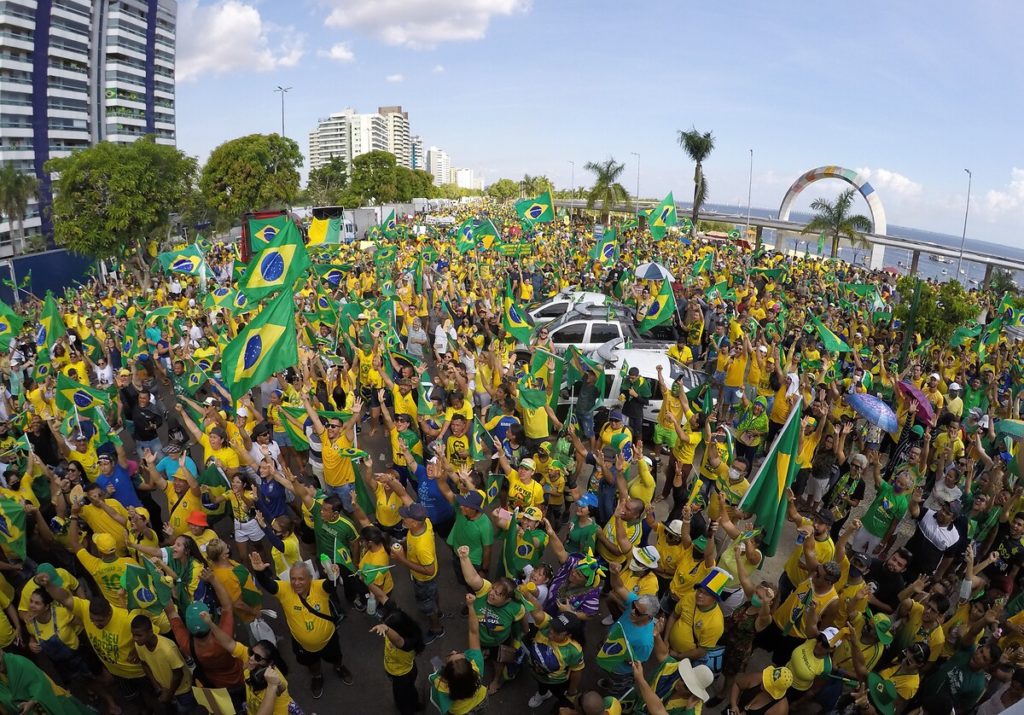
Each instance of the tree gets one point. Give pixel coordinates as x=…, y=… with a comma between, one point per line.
x=374, y=180
x=110, y=200
x=327, y=183
x=535, y=185
x=941, y=309
x=607, y=188
x=17, y=189
x=503, y=190
x=1002, y=282
x=259, y=171
x=833, y=218
x=698, y=147
x=415, y=184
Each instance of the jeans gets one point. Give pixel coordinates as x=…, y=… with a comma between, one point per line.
x=153, y=445
x=346, y=493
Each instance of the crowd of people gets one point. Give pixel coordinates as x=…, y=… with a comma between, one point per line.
x=416, y=452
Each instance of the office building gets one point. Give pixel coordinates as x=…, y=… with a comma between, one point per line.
x=396, y=123
x=348, y=134
x=439, y=165
x=77, y=72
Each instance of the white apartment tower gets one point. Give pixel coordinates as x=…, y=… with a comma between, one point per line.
x=417, y=159
x=77, y=72
x=439, y=165
x=397, y=127
x=347, y=134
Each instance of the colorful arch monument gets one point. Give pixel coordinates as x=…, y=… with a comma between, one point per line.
x=849, y=176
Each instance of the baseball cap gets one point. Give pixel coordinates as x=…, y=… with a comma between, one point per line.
x=588, y=500
x=954, y=386
x=954, y=507
x=210, y=401
x=49, y=570
x=528, y=463
x=242, y=412
x=917, y=430
x=829, y=636
x=615, y=416
x=124, y=372
x=103, y=457
x=533, y=513
x=700, y=543
x=934, y=376
x=413, y=511
x=195, y=624
x=882, y=625
x=776, y=681
x=471, y=500
x=105, y=543
x=565, y=623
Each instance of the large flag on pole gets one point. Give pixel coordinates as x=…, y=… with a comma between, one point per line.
x=538, y=210
x=661, y=309
x=51, y=324
x=268, y=344
x=766, y=497
x=277, y=266
x=663, y=216
x=832, y=342
x=515, y=320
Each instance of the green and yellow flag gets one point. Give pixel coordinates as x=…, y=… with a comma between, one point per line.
x=51, y=324
x=72, y=395
x=661, y=309
x=188, y=260
x=277, y=267
x=615, y=650
x=145, y=588
x=389, y=226
x=268, y=344
x=263, y=231
x=538, y=210
x=606, y=250
x=10, y=325
x=324, y=232
x=832, y=342
x=12, y=526
x=766, y=497
x=663, y=216
x=515, y=320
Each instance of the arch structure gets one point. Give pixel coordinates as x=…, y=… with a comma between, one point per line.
x=850, y=177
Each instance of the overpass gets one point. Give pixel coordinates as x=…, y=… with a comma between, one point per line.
x=878, y=242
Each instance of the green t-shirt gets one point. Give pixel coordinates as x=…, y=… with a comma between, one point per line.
x=496, y=621
x=439, y=694
x=333, y=537
x=581, y=538
x=887, y=507
x=975, y=398
x=475, y=533
x=956, y=682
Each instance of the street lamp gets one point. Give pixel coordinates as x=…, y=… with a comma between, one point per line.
x=637, y=177
x=572, y=183
x=963, y=238
x=750, y=186
x=283, y=91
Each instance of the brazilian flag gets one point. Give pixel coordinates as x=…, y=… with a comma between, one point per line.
x=615, y=650
x=10, y=325
x=538, y=210
x=332, y=274
x=51, y=324
x=487, y=235
x=389, y=226
x=131, y=346
x=43, y=367
x=12, y=526
x=195, y=379
x=263, y=231
x=704, y=265
x=293, y=419
x=74, y=395
x=251, y=594
x=492, y=488
x=188, y=260
x=145, y=588
x=219, y=297
x=663, y=216
x=831, y=342
x=265, y=346
x=661, y=309
x=606, y=251
x=277, y=266
x=465, y=240
x=515, y=320
x=477, y=438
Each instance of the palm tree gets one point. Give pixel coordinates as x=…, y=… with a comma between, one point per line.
x=607, y=188
x=16, y=191
x=833, y=219
x=535, y=185
x=698, y=147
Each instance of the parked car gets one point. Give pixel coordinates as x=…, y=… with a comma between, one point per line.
x=560, y=304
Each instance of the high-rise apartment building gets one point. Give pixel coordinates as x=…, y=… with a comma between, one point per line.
x=417, y=159
x=347, y=134
x=439, y=164
x=77, y=72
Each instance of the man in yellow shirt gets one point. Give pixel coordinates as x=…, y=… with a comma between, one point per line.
x=336, y=437
x=420, y=557
x=164, y=665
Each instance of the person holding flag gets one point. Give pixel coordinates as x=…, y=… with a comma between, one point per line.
x=631, y=638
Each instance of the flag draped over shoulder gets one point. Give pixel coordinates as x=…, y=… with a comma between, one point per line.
x=615, y=650
x=277, y=266
x=661, y=309
x=51, y=324
x=663, y=216
x=188, y=260
x=538, y=210
x=766, y=497
x=267, y=345
x=145, y=588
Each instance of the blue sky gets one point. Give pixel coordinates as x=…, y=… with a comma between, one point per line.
x=508, y=87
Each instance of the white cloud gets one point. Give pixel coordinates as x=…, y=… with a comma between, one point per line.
x=891, y=183
x=394, y=78
x=340, y=52
x=228, y=36
x=421, y=24
x=438, y=69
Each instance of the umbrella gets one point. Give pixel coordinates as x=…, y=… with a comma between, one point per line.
x=874, y=410
x=653, y=272
x=1014, y=428
x=925, y=410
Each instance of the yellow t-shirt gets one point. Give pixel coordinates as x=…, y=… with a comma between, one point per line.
x=669, y=554
x=688, y=573
x=535, y=423
x=7, y=631
x=112, y=644
x=162, y=661
x=795, y=567
x=421, y=550
x=338, y=470
x=633, y=533
x=310, y=631
x=388, y=504
x=693, y=627
x=521, y=494
x=397, y=661
x=290, y=556
x=254, y=698
x=806, y=667
x=369, y=559
x=107, y=575
x=62, y=623
x=101, y=522
x=734, y=371
x=647, y=584
x=906, y=683
x=686, y=447
x=188, y=504
x=913, y=631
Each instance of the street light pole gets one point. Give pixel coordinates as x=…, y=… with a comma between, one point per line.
x=963, y=238
x=283, y=91
x=750, y=186
x=572, y=183
x=637, y=177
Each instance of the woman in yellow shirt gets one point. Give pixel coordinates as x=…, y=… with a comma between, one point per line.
x=374, y=563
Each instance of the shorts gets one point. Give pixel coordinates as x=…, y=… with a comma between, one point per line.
x=370, y=397
x=586, y=420
x=665, y=436
x=330, y=652
x=718, y=378
x=426, y=596
x=248, y=531
x=130, y=687
x=731, y=395
x=346, y=493
x=282, y=439
x=816, y=489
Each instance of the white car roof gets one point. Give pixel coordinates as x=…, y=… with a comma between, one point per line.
x=646, y=361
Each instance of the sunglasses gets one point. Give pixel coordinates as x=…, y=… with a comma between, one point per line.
x=333, y=426
x=260, y=658
x=639, y=612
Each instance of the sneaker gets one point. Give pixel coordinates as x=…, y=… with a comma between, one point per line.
x=317, y=687
x=432, y=636
x=538, y=699
x=360, y=605
x=607, y=620
x=344, y=673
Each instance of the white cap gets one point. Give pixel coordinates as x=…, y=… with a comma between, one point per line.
x=954, y=386
x=934, y=376
x=829, y=634
x=646, y=557
x=242, y=412
x=762, y=348
x=675, y=527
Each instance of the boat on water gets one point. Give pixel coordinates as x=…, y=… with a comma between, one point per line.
x=945, y=271
x=939, y=259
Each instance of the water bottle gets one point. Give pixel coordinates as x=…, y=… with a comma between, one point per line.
x=371, y=605
x=801, y=537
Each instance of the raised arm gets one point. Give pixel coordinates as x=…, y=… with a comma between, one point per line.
x=472, y=578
